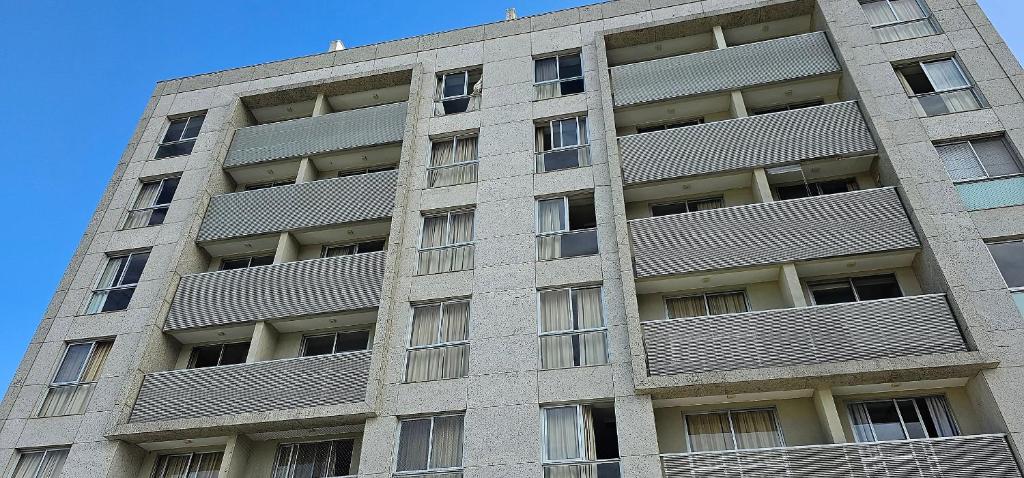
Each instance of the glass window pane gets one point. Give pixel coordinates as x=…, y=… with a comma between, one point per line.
x=261, y=260
x=174, y=130
x=885, y=420
x=571, y=87
x=320, y=345
x=371, y=246
x=157, y=216
x=117, y=299
x=559, y=160
x=912, y=422
x=681, y=307
x=561, y=441
x=338, y=251
x=1009, y=256
x=74, y=362
x=728, y=303
x=342, y=458
x=425, y=324
x=709, y=432
x=413, y=445
x=832, y=293
x=835, y=187
x=570, y=66
x=555, y=314
x=230, y=264
x=944, y=75
x=206, y=356
x=907, y=10
x=234, y=353
x=454, y=85
x=195, y=123
x=551, y=215
x=879, y=13
x=871, y=288
x=996, y=157
x=960, y=160
x=167, y=191
x=446, y=445
x=795, y=191
x=582, y=214
x=136, y=263
x=566, y=133
x=545, y=69
x=351, y=341
x=755, y=429
x=175, y=149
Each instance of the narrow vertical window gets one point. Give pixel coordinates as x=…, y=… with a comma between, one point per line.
x=180, y=137
x=439, y=341
x=189, y=465
x=446, y=242
x=573, y=332
x=152, y=203
x=1009, y=257
x=566, y=227
x=118, y=282
x=45, y=463
x=431, y=445
x=452, y=161
x=580, y=441
x=562, y=144
x=558, y=76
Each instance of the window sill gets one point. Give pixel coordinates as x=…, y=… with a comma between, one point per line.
x=948, y=114
x=538, y=100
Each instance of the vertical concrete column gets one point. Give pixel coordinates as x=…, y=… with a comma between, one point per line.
x=719, y=36
x=789, y=283
x=263, y=344
x=307, y=171
x=287, y=249
x=825, y=404
x=759, y=184
x=638, y=437
x=321, y=106
x=236, y=456
x=738, y=106
x=378, y=448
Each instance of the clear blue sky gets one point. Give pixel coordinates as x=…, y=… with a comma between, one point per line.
x=75, y=76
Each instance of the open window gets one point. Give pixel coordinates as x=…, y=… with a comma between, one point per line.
x=902, y=419
x=458, y=92
x=152, y=203
x=580, y=441
x=439, y=341
x=895, y=20
x=73, y=384
x=566, y=227
x=562, y=144
x=940, y=86
x=180, y=137
x=855, y=289
x=558, y=75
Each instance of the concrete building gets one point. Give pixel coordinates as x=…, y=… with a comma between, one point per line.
x=642, y=238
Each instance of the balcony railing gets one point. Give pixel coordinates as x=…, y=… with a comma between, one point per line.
x=966, y=457
x=352, y=129
x=292, y=289
x=819, y=227
x=836, y=129
x=992, y=193
x=304, y=382
x=732, y=68
x=900, y=327
x=361, y=197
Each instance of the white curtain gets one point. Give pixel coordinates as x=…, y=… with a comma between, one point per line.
x=446, y=450
x=414, y=445
x=147, y=196
x=755, y=429
x=555, y=314
x=173, y=466
x=945, y=75
x=692, y=306
x=907, y=10
x=593, y=348
x=546, y=70
x=729, y=303
x=562, y=440
x=945, y=426
x=587, y=305
x=551, y=217
x=436, y=234
x=960, y=100
x=67, y=400
x=28, y=463
x=425, y=364
x=879, y=13
x=709, y=432
x=453, y=162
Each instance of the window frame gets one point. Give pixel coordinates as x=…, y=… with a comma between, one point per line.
x=455, y=144
x=851, y=185
x=268, y=185
x=575, y=320
x=127, y=257
x=849, y=280
x=579, y=133
x=159, y=472
x=786, y=107
x=294, y=450
x=977, y=157
x=580, y=435
x=220, y=356
x=151, y=207
x=409, y=347
x=326, y=247
x=45, y=451
x=67, y=347
x=558, y=70
x=732, y=427
x=707, y=305
x=334, y=343
x=903, y=424
x=568, y=230
x=380, y=168
x=669, y=125
x=465, y=86
x=1012, y=290
x=921, y=64
x=181, y=139
x=924, y=8
x=686, y=202
x=248, y=258
x=430, y=446
x=447, y=229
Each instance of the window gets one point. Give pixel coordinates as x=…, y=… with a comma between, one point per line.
x=439, y=341
x=47, y=463
x=323, y=459
x=700, y=305
x=580, y=441
x=815, y=188
x=431, y=444
x=573, y=332
x=895, y=20
x=118, y=282
x=688, y=205
x=940, y=87
x=246, y=262
x=218, y=354
x=152, y=203
x=558, y=75
x=732, y=430
x=1009, y=256
x=566, y=227
x=562, y=144
x=364, y=247
x=786, y=107
x=670, y=125
x=189, y=465
x=373, y=169
x=979, y=159
x=73, y=384
x=458, y=92
x=271, y=184
x=452, y=161
x=335, y=343
x=855, y=289
x=902, y=419
x=446, y=243
x=180, y=137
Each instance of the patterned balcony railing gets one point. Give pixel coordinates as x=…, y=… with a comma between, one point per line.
x=352, y=129
x=291, y=289
x=819, y=227
x=832, y=130
x=287, y=384
x=905, y=326
x=992, y=193
x=955, y=457
x=362, y=197
x=732, y=68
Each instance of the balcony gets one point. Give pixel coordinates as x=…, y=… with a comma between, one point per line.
x=831, y=130
x=886, y=328
x=305, y=382
x=240, y=296
x=733, y=68
x=817, y=227
x=328, y=202
x=345, y=130
x=992, y=193
x=967, y=456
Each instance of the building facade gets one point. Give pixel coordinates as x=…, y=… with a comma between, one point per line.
x=642, y=238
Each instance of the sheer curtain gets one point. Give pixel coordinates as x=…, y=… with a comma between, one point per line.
x=587, y=305
x=174, y=466
x=207, y=465
x=755, y=429
x=436, y=233
x=446, y=451
x=555, y=316
x=442, y=153
x=879, y=13
x=424, y=364
x=455, y=328
x=53, y=464
x=945, y=75
x=861, y=423
x=709, y=432
x=551, y=217
x=730, y=303
x=692, y=306
x=546, y=70
x=413, y=445
x=147, y=195
x=462, y=232
x=945, y=426
x=907, y=10
x=28, y=463
x=562, y=440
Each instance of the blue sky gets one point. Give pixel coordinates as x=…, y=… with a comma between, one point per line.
x=76, y=76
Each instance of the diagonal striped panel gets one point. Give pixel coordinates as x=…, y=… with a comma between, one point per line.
x=292, y=289
x=836, y=129
x=818, y=227
x=732, y=68
x=253, y=387
x=352, y=129
x=905, y=326
x=952, y=457
x=299, y=206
